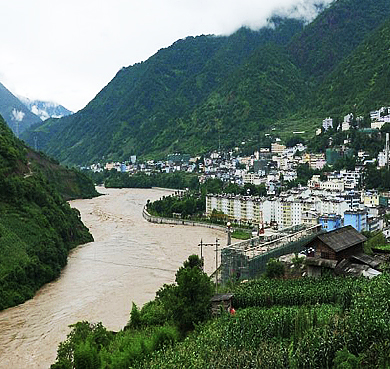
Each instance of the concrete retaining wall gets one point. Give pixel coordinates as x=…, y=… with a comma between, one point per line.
x=160, y=220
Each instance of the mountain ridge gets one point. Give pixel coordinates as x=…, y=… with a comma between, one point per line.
x=144, y=99
x=14, y=112
x=207, y=92
x=45, y=109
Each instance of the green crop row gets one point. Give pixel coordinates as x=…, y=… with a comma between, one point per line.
x=303, y=291
x=317, y=336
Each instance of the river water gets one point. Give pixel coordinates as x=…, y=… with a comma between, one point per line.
x=129, y=260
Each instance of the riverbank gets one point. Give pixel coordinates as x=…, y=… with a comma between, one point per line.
x=129, y=260
x=161, y=220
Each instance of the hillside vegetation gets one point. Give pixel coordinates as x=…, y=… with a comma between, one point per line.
x=367, y=66
x=37, y=226
x=147, y=107
x=302, y=323
x=209, y=92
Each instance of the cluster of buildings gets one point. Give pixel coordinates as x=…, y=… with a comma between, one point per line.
x=305, y=205
x=378, y=119
x=174, y=163
x=333, y=200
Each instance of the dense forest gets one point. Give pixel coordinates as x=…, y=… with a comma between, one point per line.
x=115, y=179
x=37, y=226
x=208, y=92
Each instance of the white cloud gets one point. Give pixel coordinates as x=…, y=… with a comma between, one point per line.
x=17, y=115
x=67, y=51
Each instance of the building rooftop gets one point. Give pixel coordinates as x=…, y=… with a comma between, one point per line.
x=342, y=238
x=221, y=297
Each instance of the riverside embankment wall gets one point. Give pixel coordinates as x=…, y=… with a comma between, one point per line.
x=160, y=220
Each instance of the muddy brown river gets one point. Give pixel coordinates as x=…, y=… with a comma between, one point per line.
x=129, y=261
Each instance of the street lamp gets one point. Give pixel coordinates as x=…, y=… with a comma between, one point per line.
x=229, y=233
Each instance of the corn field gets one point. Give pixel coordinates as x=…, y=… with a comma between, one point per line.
x=304, y=323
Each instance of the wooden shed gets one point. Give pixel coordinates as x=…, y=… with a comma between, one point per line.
x=338, y=244
x=223, y=301
x=333, y=247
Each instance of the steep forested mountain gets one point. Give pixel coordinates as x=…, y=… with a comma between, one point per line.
x=208, y=92
x=265, y=88
x=361, y=81
x=140, y=108
x=334, y=34
x=15, y=112
x=37, y=226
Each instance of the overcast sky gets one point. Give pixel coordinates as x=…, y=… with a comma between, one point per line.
x=67, y=50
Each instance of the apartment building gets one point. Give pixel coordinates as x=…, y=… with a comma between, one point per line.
x=370, y=199
x=358, y=219
x=277, y=148
x=327, y=123
x=239, y=208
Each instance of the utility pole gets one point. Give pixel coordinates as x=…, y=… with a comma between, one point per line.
x=216, y=244
x=201, y=253
x=216, y=265
x=387, y=150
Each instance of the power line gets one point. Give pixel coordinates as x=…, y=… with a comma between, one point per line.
x=127, y=265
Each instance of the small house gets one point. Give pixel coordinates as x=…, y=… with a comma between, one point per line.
x=332, y=247
x=223, y=301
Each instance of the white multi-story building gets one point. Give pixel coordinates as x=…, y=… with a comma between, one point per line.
x=345, y=126
x=377, y=124
x=239, y=208
x=332, y=185
x=327, y=123
x=277, y=148
x=332, y=206
x=335, y=185
x=351, y=178
x=286, y=212
x=252, y=178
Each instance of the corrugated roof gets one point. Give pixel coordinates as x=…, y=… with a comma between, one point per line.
x=342, y=238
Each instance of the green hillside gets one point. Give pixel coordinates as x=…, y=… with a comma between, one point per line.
x=266, y=88
x=207, y=92
x=145, y=104
x=360, y=83
x=334, y=34
x=37, y=226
